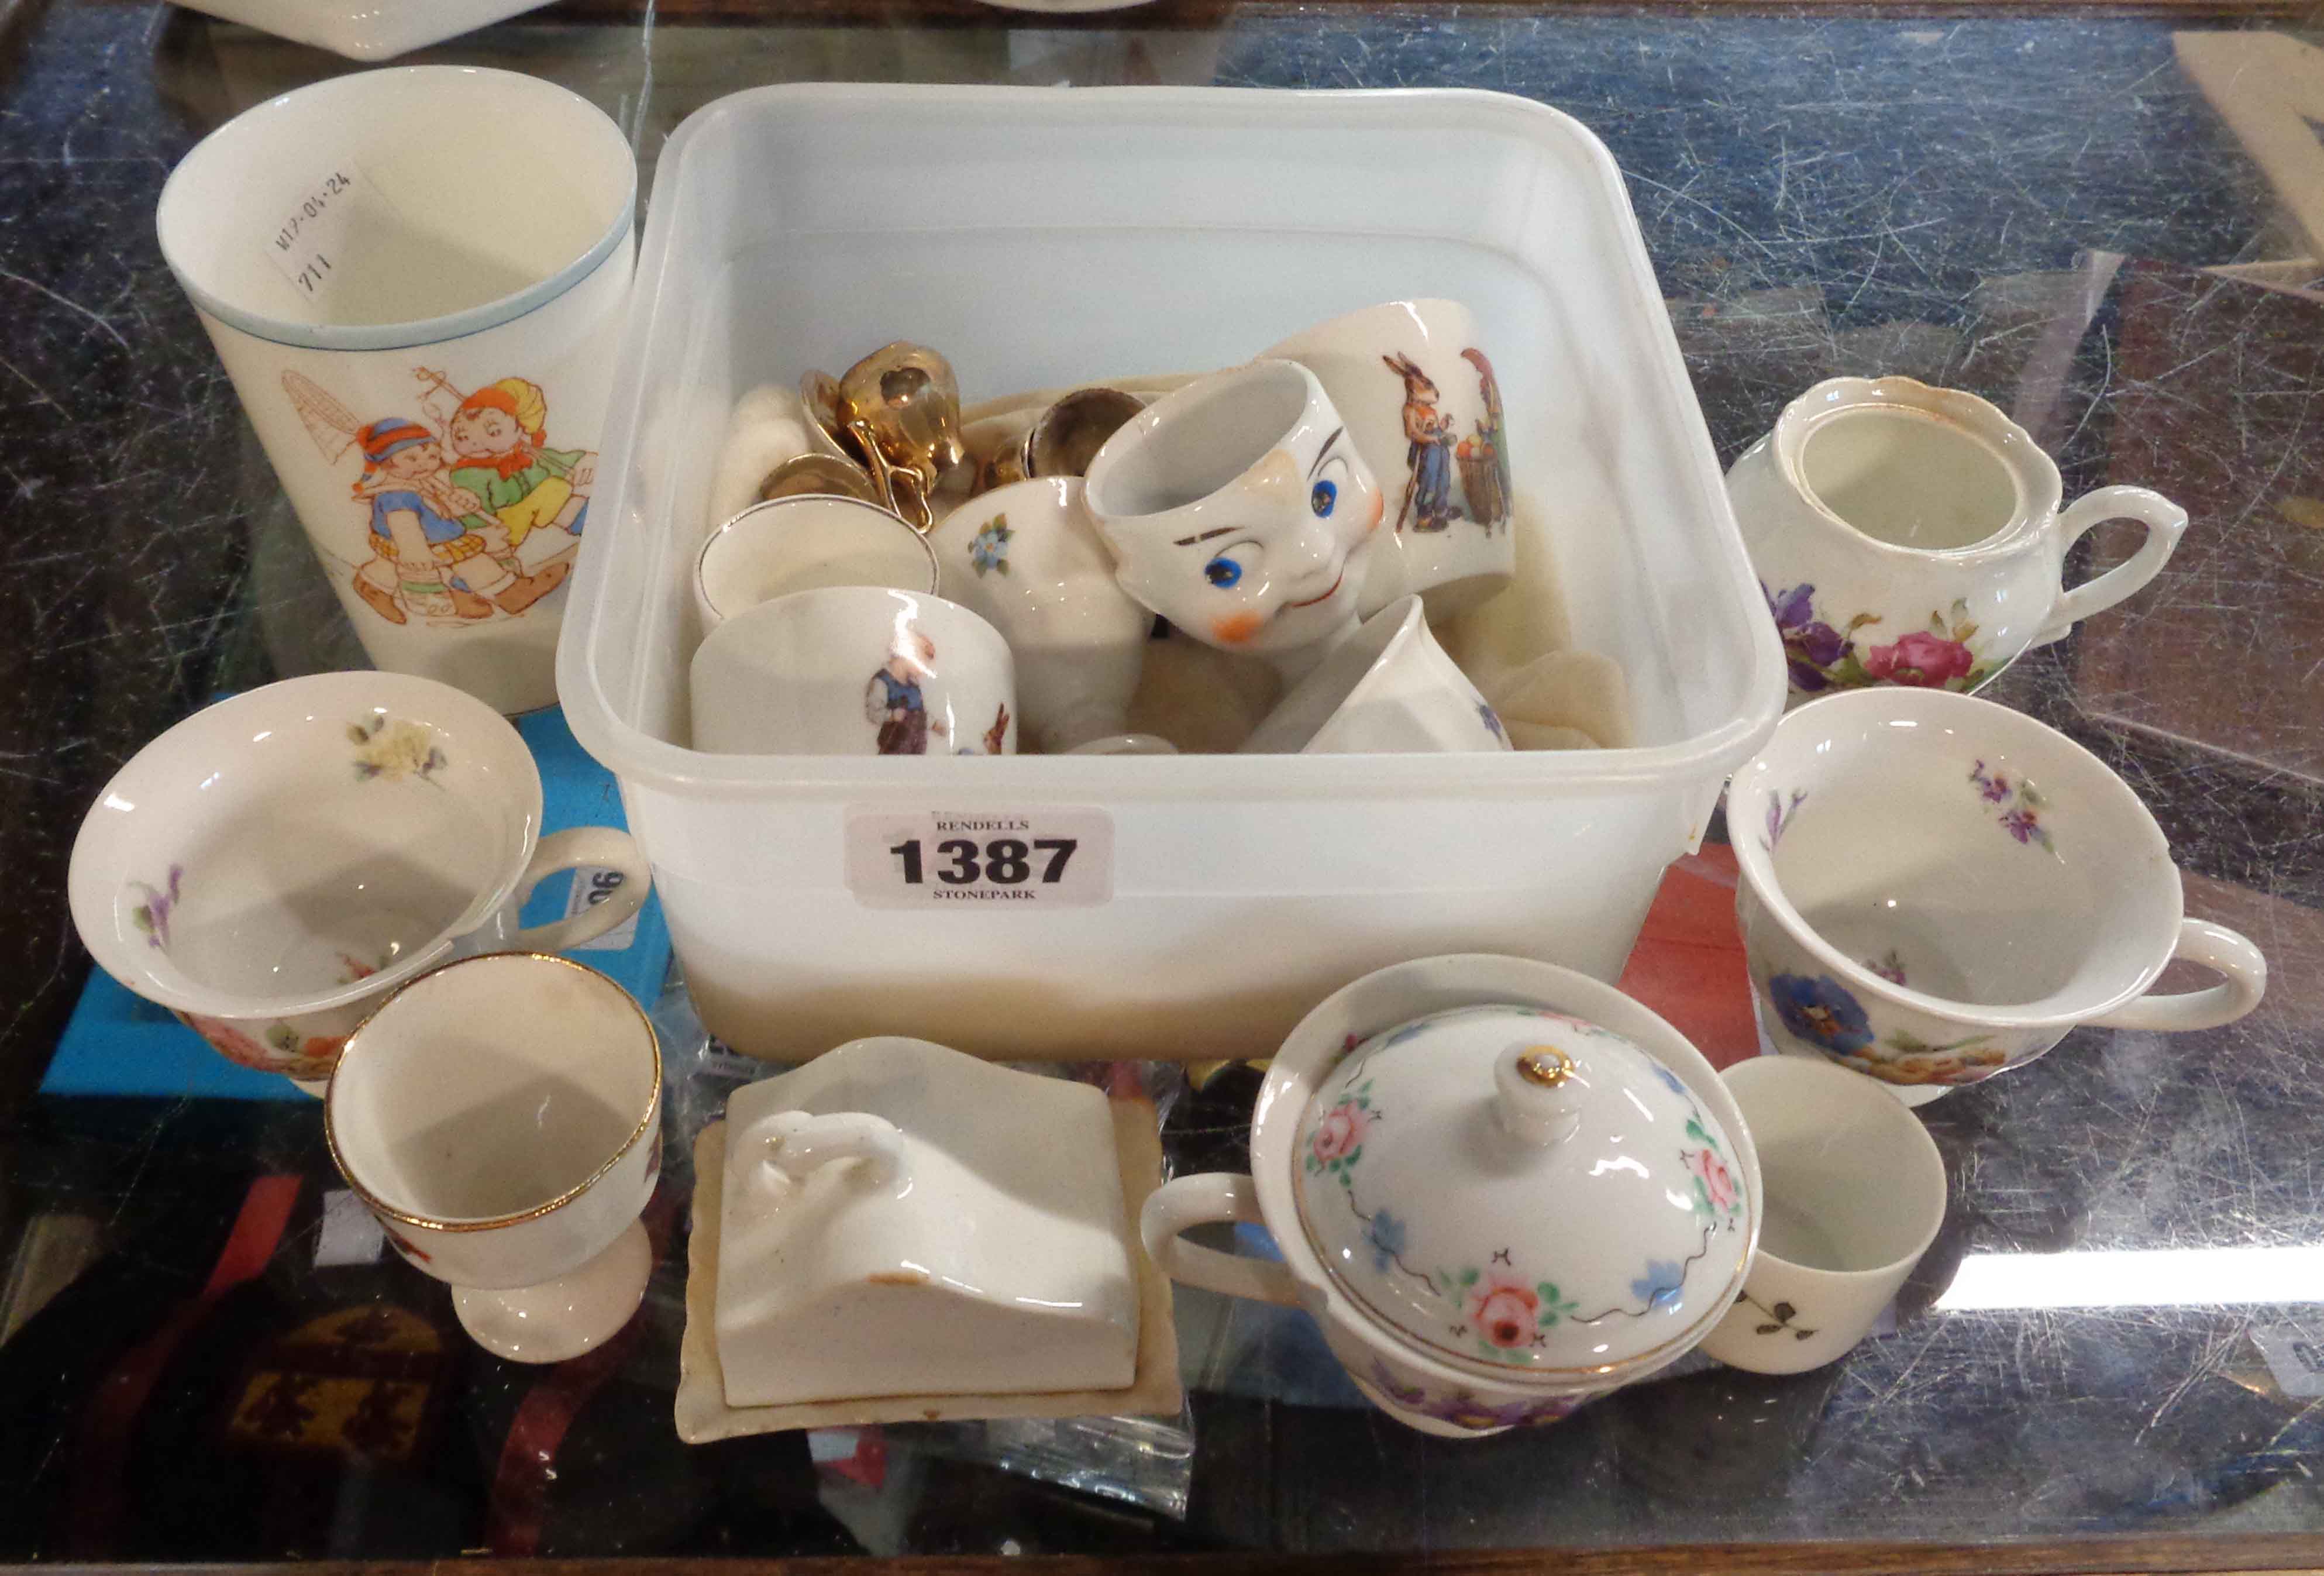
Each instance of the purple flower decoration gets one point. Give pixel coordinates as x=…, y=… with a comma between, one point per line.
x=1779, y=815
x=1811, y=646
x=1991, y=785
x=1821, y=1011
x=152, y=915
x=2022, y=826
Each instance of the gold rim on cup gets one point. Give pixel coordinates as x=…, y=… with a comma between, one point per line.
x=645, y=1123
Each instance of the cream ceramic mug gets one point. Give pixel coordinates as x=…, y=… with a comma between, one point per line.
x=272, y=867
x=1913, y=536
x=415, y=277
x=1851, y=1193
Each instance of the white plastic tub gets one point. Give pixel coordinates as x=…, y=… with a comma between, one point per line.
x=1044, y=236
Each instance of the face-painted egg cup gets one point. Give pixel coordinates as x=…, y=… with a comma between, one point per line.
x=1238, y=507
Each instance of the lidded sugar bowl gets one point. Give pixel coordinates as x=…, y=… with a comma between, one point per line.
x=1501, y=1188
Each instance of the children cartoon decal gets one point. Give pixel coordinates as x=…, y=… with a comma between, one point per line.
x=501, y=454
x=893, y=699
x=1428, y=455
x=443, y=538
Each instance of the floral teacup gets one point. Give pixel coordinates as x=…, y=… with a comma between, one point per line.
x=274, y=865
x=1935, y=888
x=1912, y=536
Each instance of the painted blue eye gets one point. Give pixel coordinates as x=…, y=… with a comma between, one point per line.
x=1223, y=572
x=1322, y=499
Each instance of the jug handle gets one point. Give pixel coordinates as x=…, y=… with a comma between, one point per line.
x=2163, y=520
x=1190, y=1201
x=2224, y=951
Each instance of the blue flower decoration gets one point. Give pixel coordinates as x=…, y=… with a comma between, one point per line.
x=1821, y=1011
x=1384, y=1234
x=1671, y=1081
x=1659, y=1287
x=1412, y=1030
x=988, y=550
x=1492, y=720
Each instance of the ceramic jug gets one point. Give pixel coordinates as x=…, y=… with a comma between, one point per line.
x=1910, y=535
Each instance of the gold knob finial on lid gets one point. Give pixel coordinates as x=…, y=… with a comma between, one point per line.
x=1545, y=1065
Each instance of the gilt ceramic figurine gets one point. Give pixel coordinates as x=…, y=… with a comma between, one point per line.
x=1500, y=1188
x=1911, y=535
x=1238, y=507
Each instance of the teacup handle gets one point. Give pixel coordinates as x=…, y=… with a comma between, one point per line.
x=1190, y=1201
x=601, y=847
x=2216, y=947
x=2163, y=520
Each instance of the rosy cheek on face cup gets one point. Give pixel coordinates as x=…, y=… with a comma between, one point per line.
x=1235, y=628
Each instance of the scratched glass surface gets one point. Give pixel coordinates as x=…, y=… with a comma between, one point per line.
x=2121, y=1328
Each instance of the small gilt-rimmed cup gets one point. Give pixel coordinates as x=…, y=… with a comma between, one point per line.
x=804, y=543
x=502, y=1118
x=272, y=866
x=1852, y=1191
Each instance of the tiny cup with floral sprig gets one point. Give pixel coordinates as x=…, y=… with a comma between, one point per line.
x=1501, y=1188
x=1908, y=535
x=273, y=866
x=1935, y=889
x=1027, y=559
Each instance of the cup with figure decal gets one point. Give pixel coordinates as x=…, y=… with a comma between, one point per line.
x=854, y=670
x=1424, y=407
x=1239, y=509
x=1936, y=888
x=421, y=327
x=272, y=867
